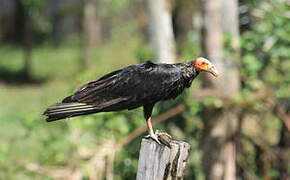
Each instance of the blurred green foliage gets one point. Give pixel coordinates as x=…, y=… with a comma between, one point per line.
x=265, y=62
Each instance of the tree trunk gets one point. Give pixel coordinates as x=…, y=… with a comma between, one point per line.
x=92, y=23
x=27, y=48
x=221, y=124
x=161, y=30
x=27, y=41
x=23, y=35
x=230, y=16
x=182, y=20
x=92, y=30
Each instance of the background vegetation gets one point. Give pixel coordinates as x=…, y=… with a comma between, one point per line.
x=46, y=52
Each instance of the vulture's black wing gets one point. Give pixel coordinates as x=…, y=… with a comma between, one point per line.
x=127, y=88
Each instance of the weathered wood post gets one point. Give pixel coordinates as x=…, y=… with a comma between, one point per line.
x=159, y=162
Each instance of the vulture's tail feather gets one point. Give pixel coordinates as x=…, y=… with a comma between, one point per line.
x=66, y=110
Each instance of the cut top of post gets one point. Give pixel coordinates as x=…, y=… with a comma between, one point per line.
x=159, y=162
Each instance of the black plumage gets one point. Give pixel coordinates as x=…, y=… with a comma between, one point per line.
x=131, y=87
x=128, y=88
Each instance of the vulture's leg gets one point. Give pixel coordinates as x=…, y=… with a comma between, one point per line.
x=150, y=130
x=147, y=114
x=158, y=136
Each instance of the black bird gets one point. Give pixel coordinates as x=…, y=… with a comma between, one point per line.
x=129, y=88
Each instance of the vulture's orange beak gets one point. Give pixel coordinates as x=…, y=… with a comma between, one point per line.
x=202, y=64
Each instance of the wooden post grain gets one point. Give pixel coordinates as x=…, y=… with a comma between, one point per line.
x=159, y=162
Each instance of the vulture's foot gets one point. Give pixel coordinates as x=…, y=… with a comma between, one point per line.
x=161, y=138
x=154, y=137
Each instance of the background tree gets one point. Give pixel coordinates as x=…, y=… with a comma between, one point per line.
x=24, y=22
x=161, y=30
x=92, y=29
x=221, y=123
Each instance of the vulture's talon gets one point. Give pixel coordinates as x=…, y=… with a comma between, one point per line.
x=154, y=137
x=161, y=138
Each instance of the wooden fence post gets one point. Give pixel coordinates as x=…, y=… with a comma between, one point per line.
x=159, y=162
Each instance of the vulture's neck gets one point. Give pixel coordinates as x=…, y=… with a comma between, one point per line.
x=188, y=72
